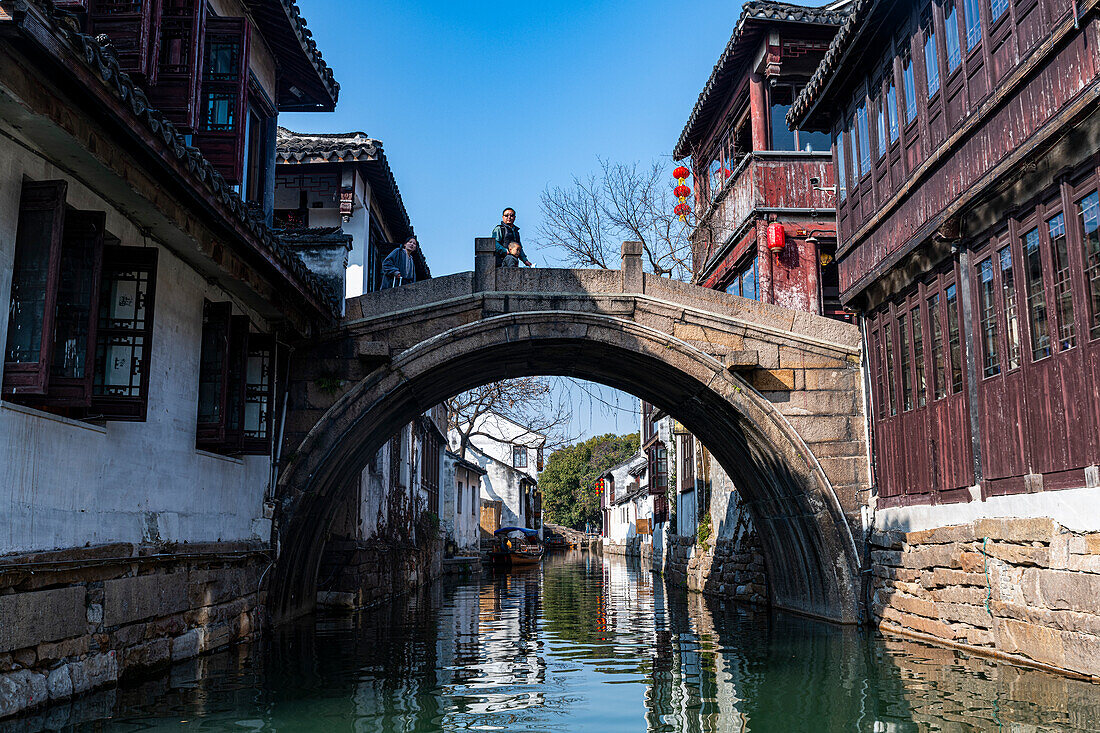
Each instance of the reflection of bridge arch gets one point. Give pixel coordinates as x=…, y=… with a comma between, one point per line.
x=674, y=345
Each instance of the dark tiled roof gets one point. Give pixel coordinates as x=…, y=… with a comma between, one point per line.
x=754, y=15
x=838, y=49
x=315, y=235
x=103, y=61
x=350, y=147
x=297, y=147
x=309, y=46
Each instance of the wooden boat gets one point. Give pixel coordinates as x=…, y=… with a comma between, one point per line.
x=516, y=546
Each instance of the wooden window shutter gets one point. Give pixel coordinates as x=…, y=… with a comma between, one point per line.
x=129, y=24
x=77, y=309
x=223, y=101
x=35, y=274
x=235, y=383
x=213, y=373
x=177, y=65
x=120, y=390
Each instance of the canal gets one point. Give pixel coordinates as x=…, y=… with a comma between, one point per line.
x=583, y=643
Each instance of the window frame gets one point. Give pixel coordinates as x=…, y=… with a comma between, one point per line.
x=48, y=198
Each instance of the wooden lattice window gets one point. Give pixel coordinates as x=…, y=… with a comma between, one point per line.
x=236, y=383
x=59, y=324
x=224, y=97
x=178, y=43
x=429, y=469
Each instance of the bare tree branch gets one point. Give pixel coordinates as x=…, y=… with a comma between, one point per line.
x=589, y=220
x=529, y=402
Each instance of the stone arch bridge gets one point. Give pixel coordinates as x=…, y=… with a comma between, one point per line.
x=774, y=394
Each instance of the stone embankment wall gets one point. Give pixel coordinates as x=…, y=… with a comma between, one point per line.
x=1025, y=588
x=80, y=620
x=726, y=568
x=365, y=573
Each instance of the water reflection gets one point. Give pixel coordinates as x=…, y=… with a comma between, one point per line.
x=583, y=643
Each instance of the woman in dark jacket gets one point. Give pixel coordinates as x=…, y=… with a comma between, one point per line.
x=399, y=267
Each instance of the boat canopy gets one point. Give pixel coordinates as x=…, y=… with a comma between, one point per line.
x=526, y=531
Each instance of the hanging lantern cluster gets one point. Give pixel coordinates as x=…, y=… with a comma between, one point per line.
x=681, y=192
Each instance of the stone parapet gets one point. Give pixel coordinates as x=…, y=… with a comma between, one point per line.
x=1025, y=588
x=75, y=621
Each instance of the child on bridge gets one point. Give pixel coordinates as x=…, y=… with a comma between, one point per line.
x=509, y=250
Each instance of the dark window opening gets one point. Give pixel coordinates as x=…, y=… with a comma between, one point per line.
x=987, y=315
x=1089, y=213
x=1036, y=298
x=745, y=281
x=519, y=456
x=236, y=384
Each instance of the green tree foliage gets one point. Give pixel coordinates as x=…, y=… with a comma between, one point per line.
x=569, y=495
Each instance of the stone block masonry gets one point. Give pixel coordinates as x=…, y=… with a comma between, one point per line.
x=1024, y=588
x=75, y=621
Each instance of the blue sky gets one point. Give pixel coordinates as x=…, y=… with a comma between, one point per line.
x=482, y=105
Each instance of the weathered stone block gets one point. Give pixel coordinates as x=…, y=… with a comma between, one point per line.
x=930, y=557
x=149, y=655
x=918, y=623
x=917, y=606
x=964, y=613
x=1066, y=649
x=46, y=615
x=973, y=595
x=1062, y=590
x=59, y=683
x=940, y=577
x=93, y=672
x=53, y=651
x=186, y=645
x=1016, y=530
x=942, y=535
x=22, y=690
x=971, y=562
x=1019, y=554
x=143, y=596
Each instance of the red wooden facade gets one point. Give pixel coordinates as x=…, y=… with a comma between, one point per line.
x=969, y=230
x=750, y=170
x=195, y=68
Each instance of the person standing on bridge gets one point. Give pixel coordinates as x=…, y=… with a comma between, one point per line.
x=509, y=250
x=399, y=267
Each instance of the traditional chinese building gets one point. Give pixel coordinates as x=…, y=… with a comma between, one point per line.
x=753, y=176
x=344, y=181
x=964, y=134
x=150, y=311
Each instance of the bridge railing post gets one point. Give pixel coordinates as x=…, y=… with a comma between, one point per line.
x=485, y=264
x=633, y=281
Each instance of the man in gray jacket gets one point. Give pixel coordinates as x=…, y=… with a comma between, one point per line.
x=399, y=267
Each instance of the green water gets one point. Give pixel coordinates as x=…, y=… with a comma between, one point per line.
x=584, y=643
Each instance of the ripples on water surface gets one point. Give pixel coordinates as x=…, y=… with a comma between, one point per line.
x=584, y=643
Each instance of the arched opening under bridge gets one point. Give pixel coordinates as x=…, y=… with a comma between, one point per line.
x=805, y=528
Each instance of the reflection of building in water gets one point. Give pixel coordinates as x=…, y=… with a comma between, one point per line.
x=511, y=667
x=692, y=685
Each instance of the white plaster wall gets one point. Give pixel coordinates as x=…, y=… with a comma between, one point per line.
x=1075, y=509
x=461, y=518
x=65, y=483
x=501, y=435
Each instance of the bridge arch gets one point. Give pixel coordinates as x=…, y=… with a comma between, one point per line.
x=804, y=526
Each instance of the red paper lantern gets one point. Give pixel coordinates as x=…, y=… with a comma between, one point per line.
x=777, y=237
x=726, y=173
x=681, y=191
x=681, y=172
x=682, y=210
